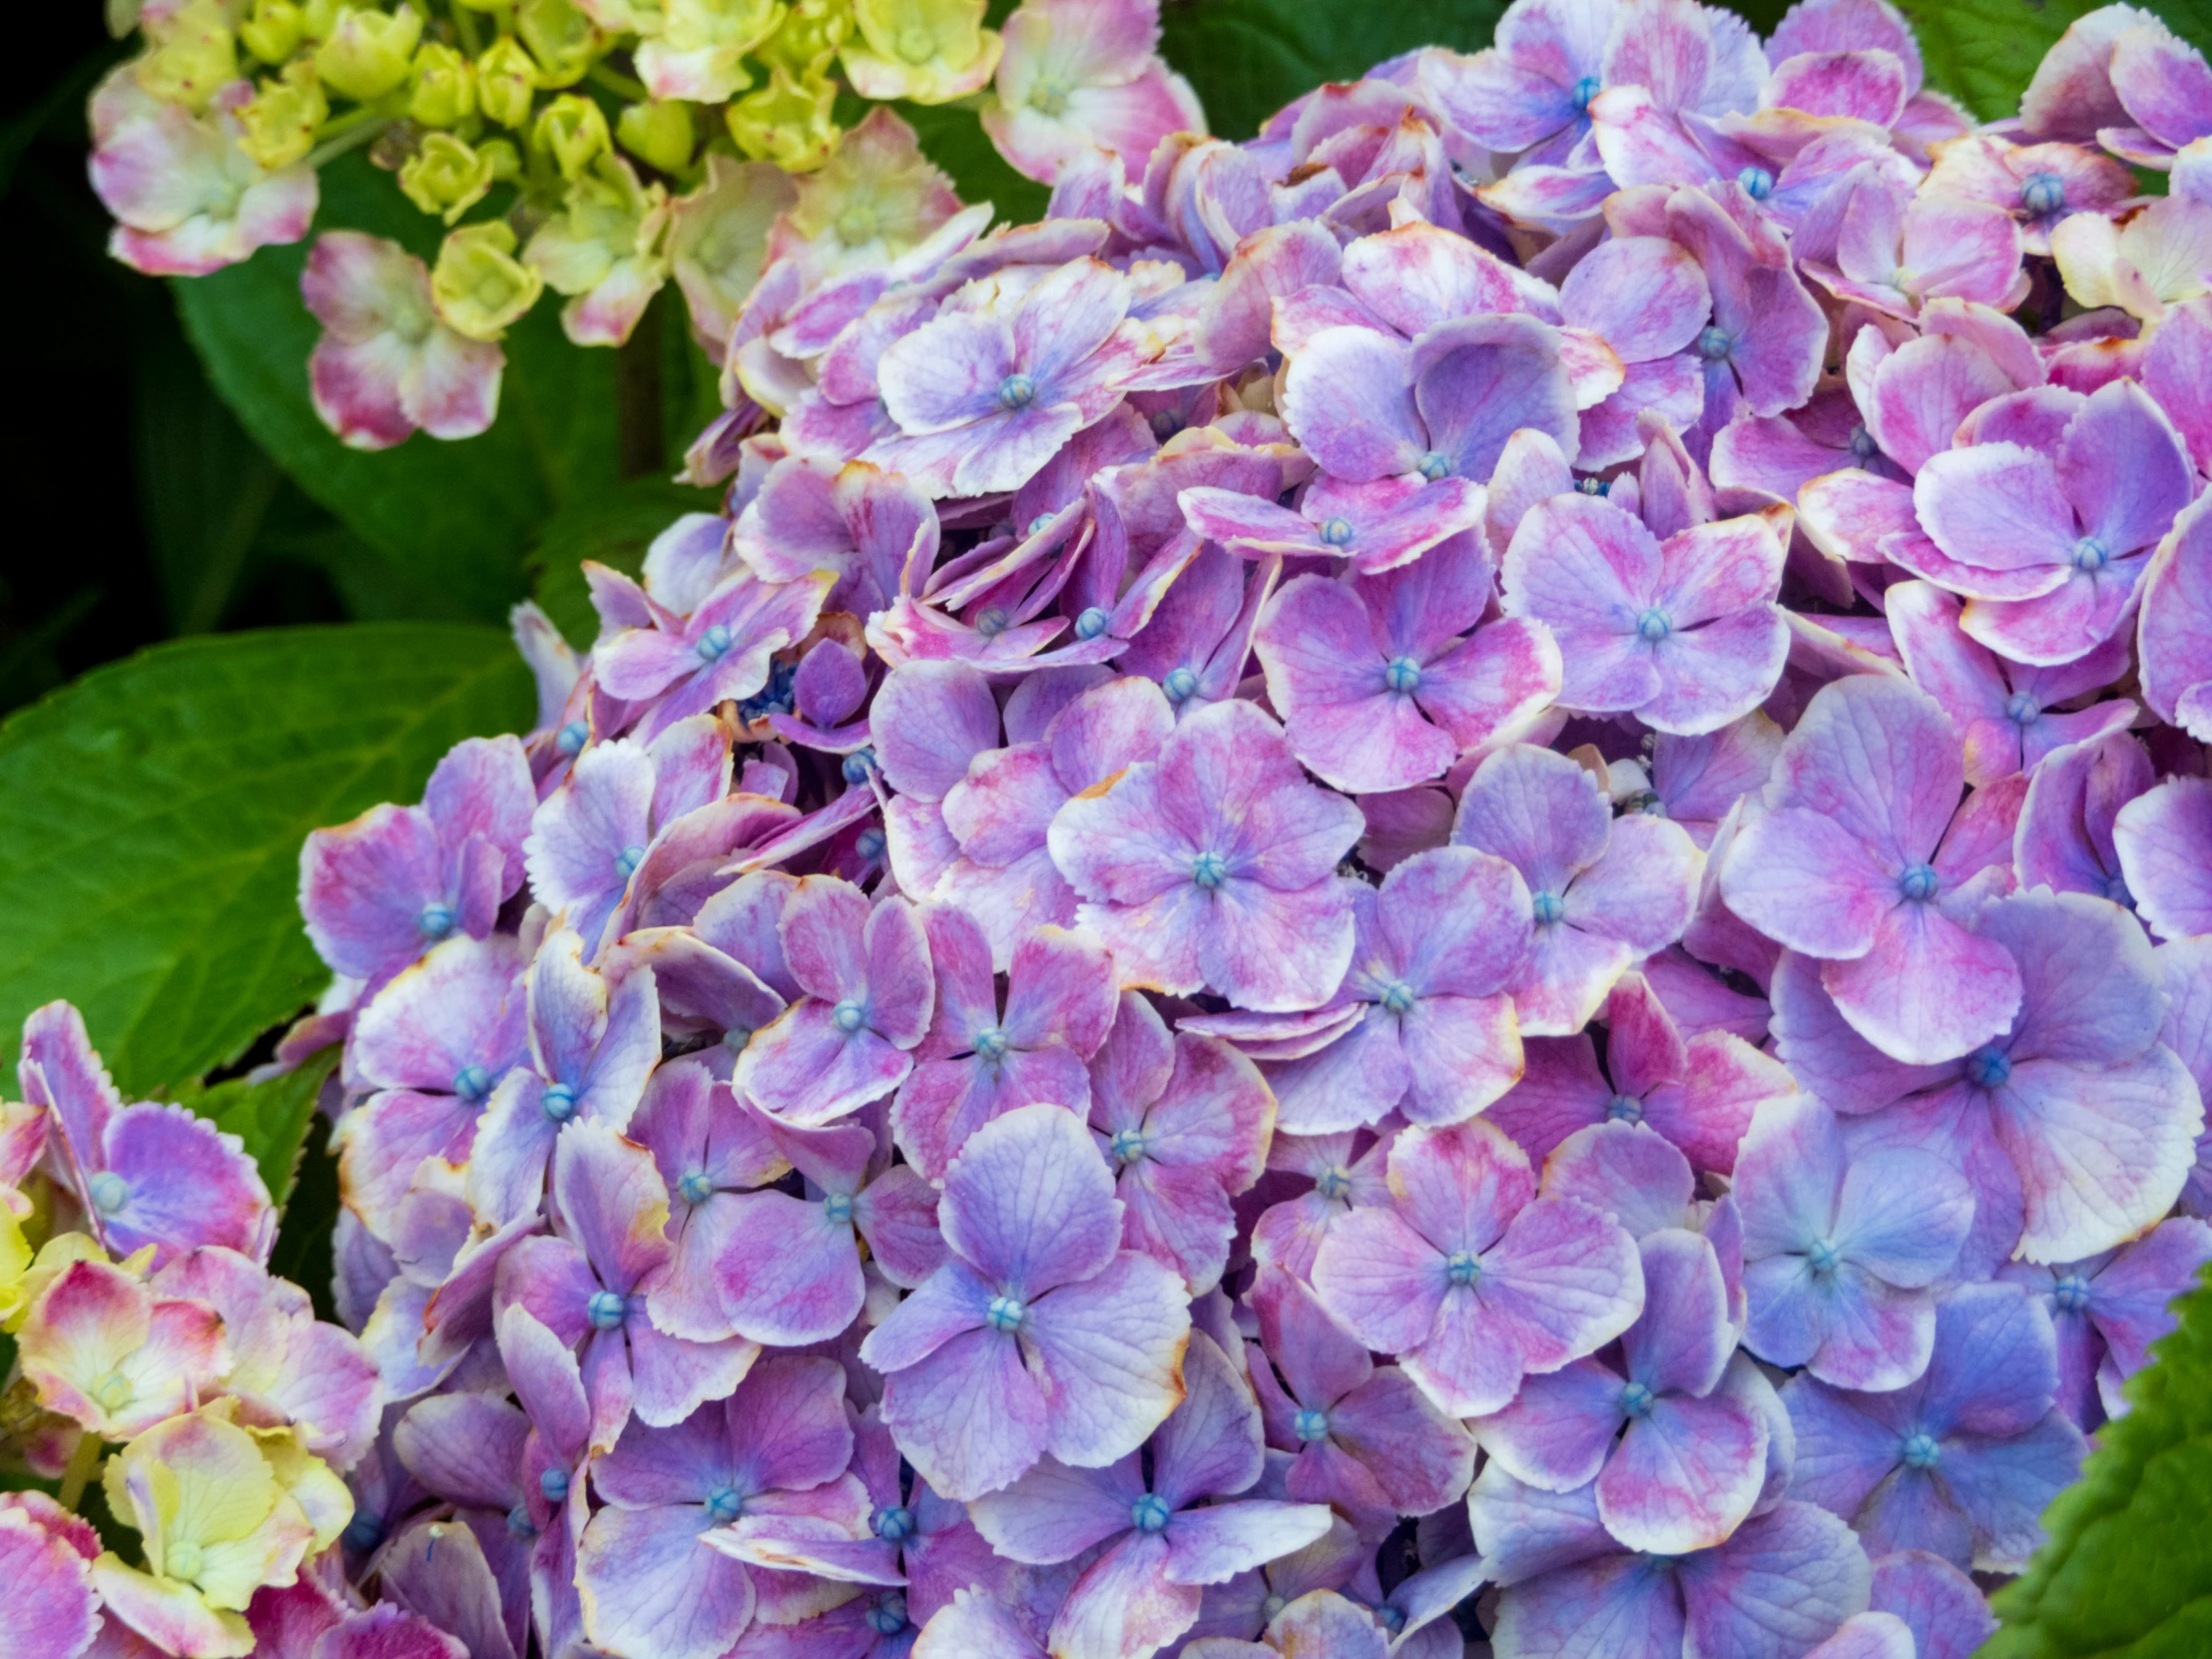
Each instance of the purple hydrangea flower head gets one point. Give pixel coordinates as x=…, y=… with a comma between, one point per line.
x=850, y=1039
x=1683, y=633
x=1696, y=779
x=592, y=1288
x=873, y=532
x=1959, y=1462
x=1470, y=1280
x=550, y=1388
x=1783, y=1581
x=1431, y=1033
x=978, y=1061
x=1321, y=1621
x=1186, y=1121
x=2174, y=637
x=2163, y=837
x=1943, y=1608
x=379, y=891
x=2068, y=837
x=1603, y=892
x=1000, y=814
x=2049, y=549
x=1531, y=90
x=1041, y=1334
x=650, y=1569
x=718, y=652
x=723, y=976
x=1363, y=1436
x=1854, y=862
x=2039, y=185
x=1162, y=1542
x=1679, y=1461
x=2161, y=82
x=434, y=1044
x=1214, y=865
x=592, y=1047
x=1339, y=1172
x=1647, y=299
x=930, y=720
x=2077, y=1124
x=467, y=1450
x=2109, y=1309
x=145, y=1174
x=1383, y=681
x=1895, y=249
x=1764, y=344
x=1377, y=526
x=1197, y=642
x=1840, y=1252
x=828, y=689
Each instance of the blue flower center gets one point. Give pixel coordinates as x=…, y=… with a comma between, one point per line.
x=1758, y=183
x=2070, y=1295
x=858, y=764
x=837, y=1207
x=1334, y=1181
x=1713, y=343
x=1547, y=908
x=1988, y=1068
x=869, y=844
x=570, y=739
x=696, y=1188
x=724, y=1504
x=1823, y=1256
x=991, y=1044
x=1337, y=532
x=712, y=645
x=1863, y=445
x=993, y=621
x=607, y=1310
x=1037, y=524
x=110, y=1192
x=1208, y=871
x=1391, y=1619
x=1433, y=465
x=889, y=1616
x=472, y=1082
x=736, y=1037
x=1092, y=622
x=1399, y=997
x=1005, y=1314
x=2089, y=556
x=1272, y=1605
x=1128, y=1145
x=1653, y=626
x=1636, y=1401
x=896, y=1524
x=519, y=1524
x=1017, y=392
x=554, y=1485
x=364, y=1531
x=1403, y=676
x=1919, y=1450
x=1178, y=684
x=1461, y=1269
x=2042, y=193
x=1311, y=1425
x=1149, y=1514
x=1599, y=487
x=627, y=861
x=1624, y=1108
x=1166, y=423
x=848, y=1016
x=558, y=1102
x=2022, y=710
x=1917, y=883
x=435, y=919
x=1584, y=89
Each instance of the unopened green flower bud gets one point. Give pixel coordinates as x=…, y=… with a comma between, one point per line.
x=560, y=37
x=194, y=54
x=445, y=176
x=787, y=121
x=573, y=131
x=811, y=35
x=659, y=134
x=505, y=163
x=319, y=19
x=369, y=51
x=479, y=287
x=505, y=80
x=273, y=30
x=280, y=120
x=444, y=87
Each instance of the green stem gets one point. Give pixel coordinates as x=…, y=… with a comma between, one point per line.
x=621, y=85
x=81, y=1462
x=464, y=25
x=349, y=132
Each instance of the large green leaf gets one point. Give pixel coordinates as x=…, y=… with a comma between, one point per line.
x=1248, y=58
x=464, y=513
x=1984, y=52
x=152, y=814
x=2128, y=1570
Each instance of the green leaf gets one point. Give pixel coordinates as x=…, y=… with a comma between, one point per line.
x=464, y=513
x=1983, y=52
x=614, y=529
x=270, y=1117
x=952, y=136
x=2126, y=1571
x=153, y=814
x=1248, y=58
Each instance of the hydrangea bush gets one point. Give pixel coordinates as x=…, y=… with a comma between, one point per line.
x=1443, y=877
